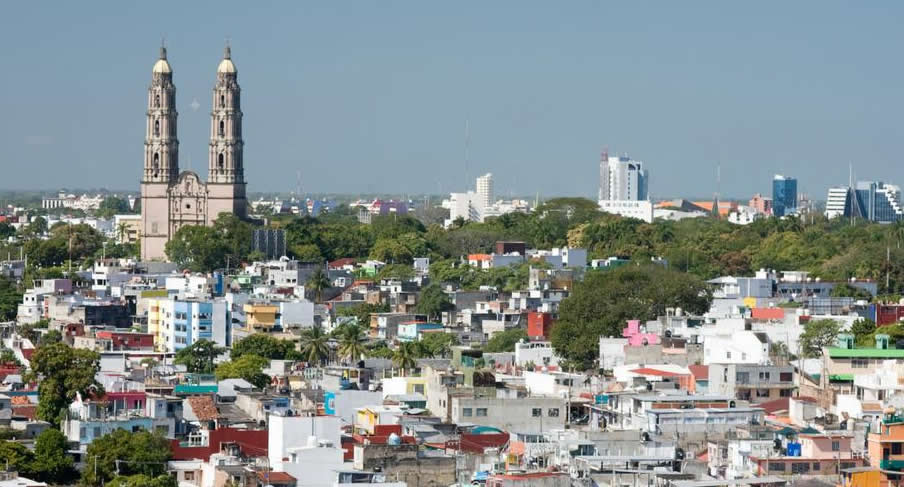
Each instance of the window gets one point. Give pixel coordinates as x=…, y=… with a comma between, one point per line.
x=765, y=376
x=762, y=393
x=222, y=128
x=481, y=411
x=859, y=363
x=553, y=412
x=743, y=355
x=817, y=465
x=785, y=393
x=786, y=376
x=727, y=354
x=156, y=127
x=536, y=412
x=466, y=412
x=220, y=161
x=836, y=446
x=742, y=377
x=776, y=466
x=800, y=467
x=895, y=448
x=189, y=476
x=222, y=101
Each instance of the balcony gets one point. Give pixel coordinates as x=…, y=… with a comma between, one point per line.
x=891, y=464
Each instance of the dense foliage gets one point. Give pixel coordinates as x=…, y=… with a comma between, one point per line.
x=265, y=346
x=199, y=357
x=139, y=453
x=504, y=341
x=61, y=372
x=817, y=335
x=602, y=303
x=249, y=367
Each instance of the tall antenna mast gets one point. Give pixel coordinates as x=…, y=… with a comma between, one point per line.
x=298, y=183
x=467, y=150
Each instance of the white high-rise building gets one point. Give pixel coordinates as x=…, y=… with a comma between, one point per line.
x=485, y=190
x=837, y=201
x=622, y=179
x=623, y=187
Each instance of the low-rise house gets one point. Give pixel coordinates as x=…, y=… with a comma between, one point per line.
x=752, y=382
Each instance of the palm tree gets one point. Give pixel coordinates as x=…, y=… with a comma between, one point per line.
x=405, y=357
x=351, y=342
x=318, y=282
x=314, y=346
x=122, y=230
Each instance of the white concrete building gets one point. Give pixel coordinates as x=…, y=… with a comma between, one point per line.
x=485, y=191
x=622, y=179
x=641, y=210
x=537, y=353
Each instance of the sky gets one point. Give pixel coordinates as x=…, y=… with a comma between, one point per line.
x=422, y=97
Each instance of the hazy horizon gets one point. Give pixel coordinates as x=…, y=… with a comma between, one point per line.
x=367, y=97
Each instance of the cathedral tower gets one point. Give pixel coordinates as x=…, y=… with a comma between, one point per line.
x=161, y=158
x=226, y=173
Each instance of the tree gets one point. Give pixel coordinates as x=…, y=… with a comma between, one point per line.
x=351, y=341
x=314, y=346
x=52, y=463
x=265, y=346
x=199, y=357
x=249, y=367
x=112, y=205
x=437, y=344
x=405, y=357
x=864, y=331
x=817, y=335
x=318, y=282
x=138, y=453
x=6, y=230
x=847, y=291
x=62, y=371
x=8, y=357
x=141, y=480
x=362, y=311
x=16, y=457
x=391, y=251
x=10, y=297
x=602, y=303
x=197, y=248
x=433, y=301
x=50, y=337
x=504, y=341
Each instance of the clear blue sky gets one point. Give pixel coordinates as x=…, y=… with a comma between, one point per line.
x=373, y=96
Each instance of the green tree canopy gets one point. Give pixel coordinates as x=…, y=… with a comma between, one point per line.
x=52, y=463
x=265, y=346
x=199, y=357
x=62, y=371
x=433, y=301
x=504, y=341
x=111, y=205
x=602, y=303
x=817, y=335
x=314, y=346
x=249, y=367
x=437, y=344
x=138, y=453
x=10, y=297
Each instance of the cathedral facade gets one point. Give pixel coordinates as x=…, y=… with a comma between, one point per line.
x=171, y=199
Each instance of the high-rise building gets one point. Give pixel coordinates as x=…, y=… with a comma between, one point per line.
x=269, y=241
x=171, y=199
x=622, y=179
x=873, y=201
x=485, y=189
x=784, y=195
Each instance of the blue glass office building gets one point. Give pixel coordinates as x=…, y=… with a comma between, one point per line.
x=784, y=195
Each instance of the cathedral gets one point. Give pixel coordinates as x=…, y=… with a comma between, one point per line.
x=171, y=199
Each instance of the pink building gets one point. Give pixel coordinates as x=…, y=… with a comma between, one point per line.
x=761, y=204
x=637, y=335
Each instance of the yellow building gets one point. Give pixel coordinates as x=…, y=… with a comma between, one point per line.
x=861, y=477
x=260, y=317
x=157, y=309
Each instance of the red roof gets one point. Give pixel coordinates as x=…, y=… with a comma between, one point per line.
x=700, y=372
x=339, y=263
x=650, y=371
x=277, y=477
x=780, y=404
